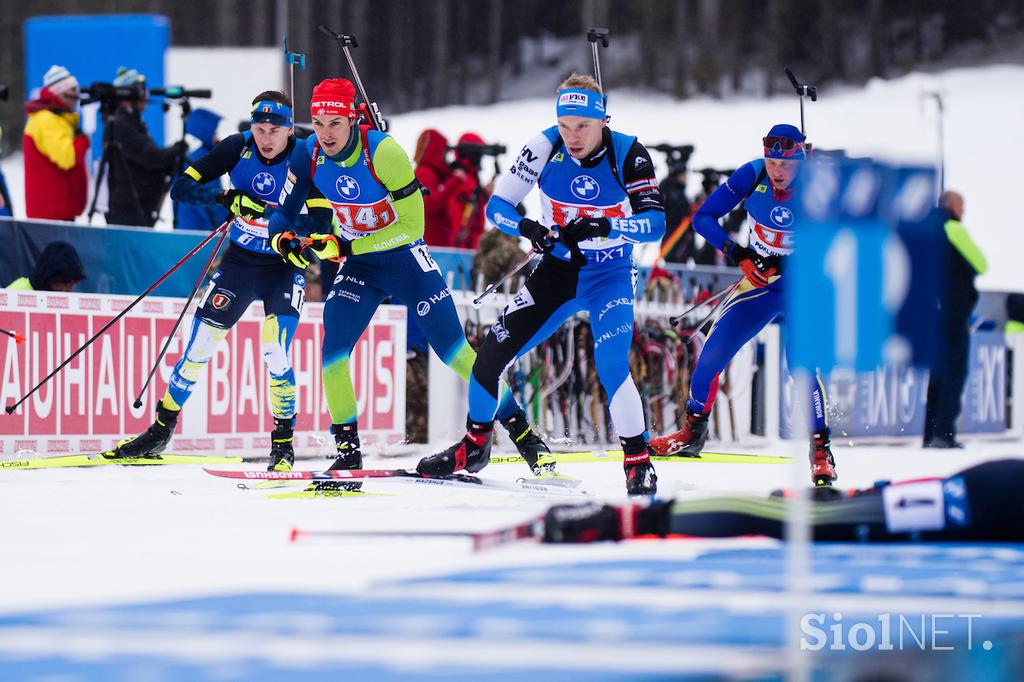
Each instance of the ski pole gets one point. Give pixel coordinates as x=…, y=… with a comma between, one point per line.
x=720, y=294
x=493, y=287
x=11, y=408
x=291, y=59
x=199, y=282
x=345, y=41
x=18, y=338
x=595, y=35
x=802, y=90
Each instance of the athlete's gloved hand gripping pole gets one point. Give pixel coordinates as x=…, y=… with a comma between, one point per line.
x=542, y=239
x=12, y=407
x=177, y=323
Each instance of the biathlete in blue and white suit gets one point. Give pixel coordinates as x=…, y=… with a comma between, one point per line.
x=768, y=186
x=599, y=197
x=257, y=163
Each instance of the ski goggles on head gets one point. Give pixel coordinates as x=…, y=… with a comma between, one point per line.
x=274, y=113
x=779, y=147
x=579, y=102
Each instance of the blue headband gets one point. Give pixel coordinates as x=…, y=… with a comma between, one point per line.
x=274, y=113
x=579, y=102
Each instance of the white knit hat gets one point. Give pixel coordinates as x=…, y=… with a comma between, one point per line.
x=59, y=80
x=127, y=77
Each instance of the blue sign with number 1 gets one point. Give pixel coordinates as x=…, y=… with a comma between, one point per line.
x=863, y=279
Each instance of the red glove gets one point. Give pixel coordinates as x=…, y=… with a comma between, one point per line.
x=757, y=272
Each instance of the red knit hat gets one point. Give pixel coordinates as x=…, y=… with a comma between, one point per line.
x=333, y=97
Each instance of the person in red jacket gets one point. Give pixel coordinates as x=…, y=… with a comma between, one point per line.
x=466, y=203
x=433, y=173
x=56, y=182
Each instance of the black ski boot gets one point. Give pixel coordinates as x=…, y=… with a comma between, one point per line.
x=636, y=460
x=282, y=453
x=346, y=445
x=151, y=442
x=531, y=447
x=472, y=453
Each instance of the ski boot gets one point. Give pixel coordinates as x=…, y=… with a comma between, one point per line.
x=151, y=442
x=346, y=445
x=636, y=460
x=823, y=465
x=282, y=454
x=688, y=441
x=531, y=447
x=472, y=453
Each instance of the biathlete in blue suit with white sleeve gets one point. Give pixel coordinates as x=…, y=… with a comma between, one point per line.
x=768, y=186
x=599, y=197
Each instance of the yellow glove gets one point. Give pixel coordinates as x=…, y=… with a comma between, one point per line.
x=290, y=247
x=328, y=247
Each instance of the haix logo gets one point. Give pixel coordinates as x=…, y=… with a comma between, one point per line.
x=585, y=187
x=782, y=216
x=264, y=183
x=347, y=187
x=423, y=307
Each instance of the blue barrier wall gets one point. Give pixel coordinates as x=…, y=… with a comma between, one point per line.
x=117, y=260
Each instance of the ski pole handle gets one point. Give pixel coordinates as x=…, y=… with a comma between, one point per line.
x=18, y=338
x=492, y=288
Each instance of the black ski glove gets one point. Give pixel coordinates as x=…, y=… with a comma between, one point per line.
x=582, y=229
x=538, y=235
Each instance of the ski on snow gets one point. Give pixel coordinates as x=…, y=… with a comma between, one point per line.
x=99, y=459
x=616, y=456
x=550, y=486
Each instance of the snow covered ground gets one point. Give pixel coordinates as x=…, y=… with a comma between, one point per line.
x=208, y=578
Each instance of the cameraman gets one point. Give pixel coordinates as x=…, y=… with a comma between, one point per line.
x=466, y=205
x=56, y=181
x=138, y=168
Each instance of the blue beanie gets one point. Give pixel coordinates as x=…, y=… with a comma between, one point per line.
x=202, y=125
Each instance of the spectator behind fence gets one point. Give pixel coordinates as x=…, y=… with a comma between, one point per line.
x=56, y=181
x=432, y=171
x=202, y=125
x=138, y=169
x=58, y=269
x=466, y=204
x=964, y=261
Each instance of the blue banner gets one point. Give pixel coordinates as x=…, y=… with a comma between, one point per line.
x=863, y=279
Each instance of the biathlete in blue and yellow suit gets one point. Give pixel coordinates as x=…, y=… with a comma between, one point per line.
x=599, y=197
x=257, y=163
x=366, y=179
x=767, y=185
